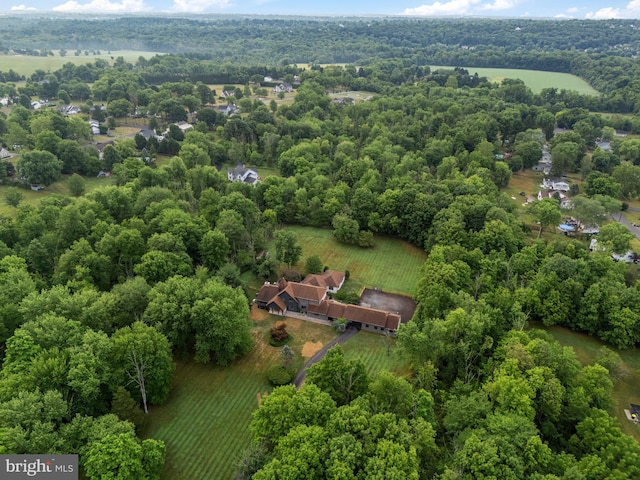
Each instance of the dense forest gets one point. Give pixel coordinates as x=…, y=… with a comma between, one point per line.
x=101, y=290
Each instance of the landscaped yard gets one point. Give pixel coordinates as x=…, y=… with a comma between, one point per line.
x=377, y=352
x=625, y=391
x=392, y=265
x=205, y=421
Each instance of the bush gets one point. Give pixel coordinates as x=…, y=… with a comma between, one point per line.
x=279, y=375
x=347, y=295
x=279, y=334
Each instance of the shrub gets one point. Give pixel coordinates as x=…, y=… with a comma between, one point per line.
x=279, y=375
x=279, y=334
x=340, y=324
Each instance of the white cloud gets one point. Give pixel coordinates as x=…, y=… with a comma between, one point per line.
x=562, y=15
x=454, y=7
x=22, y=8
x=632, y=10
x=572, y=10
x=499, y=5
x=102, y=6
x=197, y=6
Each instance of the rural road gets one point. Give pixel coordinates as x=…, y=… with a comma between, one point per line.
x=620, y=219
x=319, y=355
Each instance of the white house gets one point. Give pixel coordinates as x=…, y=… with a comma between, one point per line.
x=242, y=174
x=95, y=127
x=555, y=184
x=36, y=105
x=283, y=87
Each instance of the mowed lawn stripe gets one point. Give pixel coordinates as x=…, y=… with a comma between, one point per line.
x=391, y=264
x=372, y=349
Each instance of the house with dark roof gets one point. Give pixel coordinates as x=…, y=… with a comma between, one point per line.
x=242, y=174
x=310, y=298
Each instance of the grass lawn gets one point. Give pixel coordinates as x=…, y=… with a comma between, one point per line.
x=536, y=80
x=60, y=187
x=377, y=352
x=205, y=421
x=625, y=391
x=26, y=65
x=392, y=265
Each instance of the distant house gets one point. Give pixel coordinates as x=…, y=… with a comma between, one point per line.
x=268, y=79
x=227, y=109
x=4, y=153
x=311, y=300
x=604, y=145
x=242, y=174
x=555, y=184
x=227, y=93
x=4, y=101
x=184, y=126
x=283, y=87
x=68, y=109
x=331, y=280
x=36, y=105
x=95, y=127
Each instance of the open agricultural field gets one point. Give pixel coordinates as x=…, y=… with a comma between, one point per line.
x=536, y=80
x=205, y=421
x=392, y=265
x=625, y=391
x=377, y=352
x=26, y=64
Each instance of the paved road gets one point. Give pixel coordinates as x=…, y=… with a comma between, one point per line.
x=620, y=219
x=302, y=374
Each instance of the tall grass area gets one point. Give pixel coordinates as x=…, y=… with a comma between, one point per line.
x=536, y=80
x=377, y=352
x=205, y=421
x=26, y=64
x=392, y=265
x=626, y=390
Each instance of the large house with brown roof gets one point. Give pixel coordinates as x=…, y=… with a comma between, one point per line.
x=331, y=280
x=310, y=298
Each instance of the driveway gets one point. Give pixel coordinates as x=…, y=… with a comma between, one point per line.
x=346, y=335
x=632, y=228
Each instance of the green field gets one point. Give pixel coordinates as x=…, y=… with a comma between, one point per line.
x=60, y=187
x=625, y=391
x=377, y=352
x=392, y=265
x=536, y=80
x=26, y=64
x=205, y=421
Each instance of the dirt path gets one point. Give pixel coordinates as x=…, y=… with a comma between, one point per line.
x=302, y=374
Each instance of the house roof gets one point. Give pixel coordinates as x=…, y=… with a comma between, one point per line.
x=308, y=292
x=329, y=278
x=267, y=292
x=356, y=313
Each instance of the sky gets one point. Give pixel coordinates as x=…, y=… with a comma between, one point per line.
x=592, y=9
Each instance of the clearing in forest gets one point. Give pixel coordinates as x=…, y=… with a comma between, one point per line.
x=205, y=421
x=536, y=80
x=626, y=390
x=392, y=265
